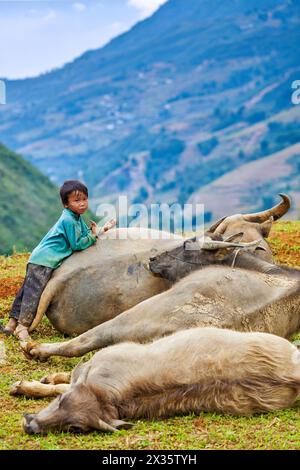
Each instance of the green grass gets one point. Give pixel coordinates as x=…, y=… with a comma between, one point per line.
x=278, y=430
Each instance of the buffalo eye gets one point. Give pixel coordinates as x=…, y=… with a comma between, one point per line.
x=75, y=429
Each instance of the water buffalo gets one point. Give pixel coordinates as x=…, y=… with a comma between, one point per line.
x=95, y=285
x=252, y=295
x=253, y=226
x=108, y=278
x=201, y=369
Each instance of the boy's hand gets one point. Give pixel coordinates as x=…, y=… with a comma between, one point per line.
x=108, y=225
x=94, y=228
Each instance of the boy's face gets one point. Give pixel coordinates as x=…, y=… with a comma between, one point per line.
x=77, y=202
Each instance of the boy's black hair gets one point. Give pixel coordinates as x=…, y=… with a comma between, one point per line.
x=68, y=187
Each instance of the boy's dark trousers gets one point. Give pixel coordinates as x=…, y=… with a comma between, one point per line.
x=27, y=300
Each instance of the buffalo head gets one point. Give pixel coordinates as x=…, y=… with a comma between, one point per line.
x=253, y=226
x=77, y=410
x=195, y=253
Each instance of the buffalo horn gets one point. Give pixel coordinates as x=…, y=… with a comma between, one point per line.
x=216, y=225
x=276, y=212
x=215, y=245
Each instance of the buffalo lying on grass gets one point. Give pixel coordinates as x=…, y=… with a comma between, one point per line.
x=95, y=285
x=252, y=295
x=201, y=369
x=110, y=277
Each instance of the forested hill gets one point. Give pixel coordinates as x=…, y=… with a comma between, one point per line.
x=29, y=203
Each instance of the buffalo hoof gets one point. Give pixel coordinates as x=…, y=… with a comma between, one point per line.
x=31, y=350
x=47, y=380
x=16, y=388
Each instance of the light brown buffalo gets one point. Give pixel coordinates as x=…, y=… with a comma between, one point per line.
x=201, y=369
x=254, y=226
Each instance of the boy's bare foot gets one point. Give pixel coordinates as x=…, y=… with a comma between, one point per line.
x=21, y=332
x=10, y=327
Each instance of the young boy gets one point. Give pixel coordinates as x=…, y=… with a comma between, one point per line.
x=70, y=233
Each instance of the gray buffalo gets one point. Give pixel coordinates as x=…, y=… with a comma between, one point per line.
x=201, y=369
x=110, y=277
x=216, y=286
x=95, y=285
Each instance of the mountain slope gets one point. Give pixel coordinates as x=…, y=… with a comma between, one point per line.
x=255, y=185
x=167, y=107
x=29, y=203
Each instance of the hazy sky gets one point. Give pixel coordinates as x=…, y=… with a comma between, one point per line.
x=39, y=35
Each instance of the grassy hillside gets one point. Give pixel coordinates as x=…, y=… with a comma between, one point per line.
x=278, y=430
x=29, y=203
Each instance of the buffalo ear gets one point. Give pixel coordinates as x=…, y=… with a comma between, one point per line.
x=222, y=253
x=118, y=424
x=266, y=226
x=213, y=227
x=105, y=427
x=113, y=425
x=236, y=238
x=192, y=244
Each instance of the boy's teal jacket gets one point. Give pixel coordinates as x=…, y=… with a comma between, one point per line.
x=70, y=233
